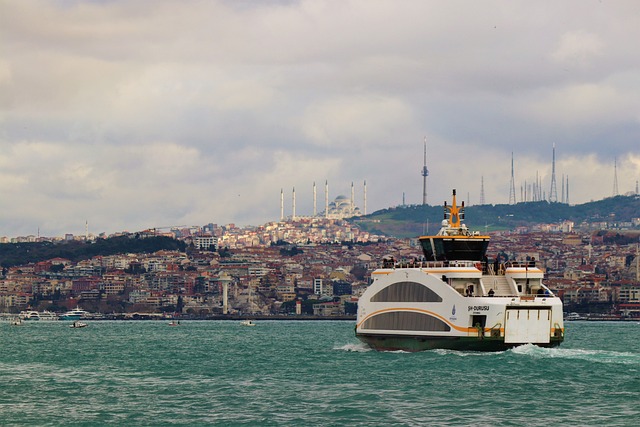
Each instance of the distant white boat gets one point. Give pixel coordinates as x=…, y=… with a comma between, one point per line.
x=75, y=314
x=77, y=324
x=16, y=322
x=29, y=315
x=174, y=323
x=248, y=323
x=48, y=316
x=574, y=316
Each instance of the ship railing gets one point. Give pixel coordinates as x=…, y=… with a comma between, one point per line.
x=520, y=264
x=431, y=264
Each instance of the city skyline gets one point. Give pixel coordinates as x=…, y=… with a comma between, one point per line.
x=129, y=114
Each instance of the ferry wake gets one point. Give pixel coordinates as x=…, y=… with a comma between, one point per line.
x=456, y=299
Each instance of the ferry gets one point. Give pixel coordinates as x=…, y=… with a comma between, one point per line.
x=456, y=299
x=29, y=315
x=75, y=314
x=35, y=315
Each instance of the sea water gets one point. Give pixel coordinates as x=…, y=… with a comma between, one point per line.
x=314, y=373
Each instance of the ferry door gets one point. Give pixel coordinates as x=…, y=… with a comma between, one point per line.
x=527, y=325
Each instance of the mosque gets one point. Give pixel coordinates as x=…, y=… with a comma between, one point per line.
x=342, y=207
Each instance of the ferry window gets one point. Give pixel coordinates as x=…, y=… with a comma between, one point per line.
x=406, y=321
x=406, y=292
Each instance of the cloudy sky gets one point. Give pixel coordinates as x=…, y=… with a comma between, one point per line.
x=148, y=113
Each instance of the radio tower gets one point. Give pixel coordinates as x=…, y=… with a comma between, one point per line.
x=482, y=190
x=425, y=174
x=615, y=177
x=512, y=185
x=553, y=192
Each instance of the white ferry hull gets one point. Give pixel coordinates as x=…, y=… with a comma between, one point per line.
x=414, y=309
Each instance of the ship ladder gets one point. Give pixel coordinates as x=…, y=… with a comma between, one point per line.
x=558, y=333
x=495, y=330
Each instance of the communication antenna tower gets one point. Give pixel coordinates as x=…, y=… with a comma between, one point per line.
x=615, y=177
x=425, y=174
x=553, y=192
x=512, y=185
x=482, y=190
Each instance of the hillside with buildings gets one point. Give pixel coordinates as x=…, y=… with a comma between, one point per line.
x=620, y=212
x=314, y=265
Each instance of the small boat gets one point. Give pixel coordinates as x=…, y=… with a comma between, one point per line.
x=174, y=323
x=77, y=324
x=574, y=316
x=16, y=322
x=248, y=323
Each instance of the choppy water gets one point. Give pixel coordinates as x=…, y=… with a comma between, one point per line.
x=294, y=373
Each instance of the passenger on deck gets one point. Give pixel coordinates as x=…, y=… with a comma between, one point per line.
x=469, y=291
x=491, y=293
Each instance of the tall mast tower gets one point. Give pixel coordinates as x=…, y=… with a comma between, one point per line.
x=425, y=174
x=512, y=185
x=353, y=201
x=365, y=197
x=293, y=202
x=615, y=177
x=326, y=199
x=553, y=192
x=281, y=204
x=315, y=205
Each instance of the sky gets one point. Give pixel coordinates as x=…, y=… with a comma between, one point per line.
x=132, y=114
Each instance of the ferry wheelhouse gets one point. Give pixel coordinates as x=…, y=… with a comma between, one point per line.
x=456, y=299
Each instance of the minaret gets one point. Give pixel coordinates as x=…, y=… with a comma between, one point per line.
x=482, y=190
x=425, y=174
x=553, y=192
x=365, y=195
x=562, y=198
x=615, y=177
x=281, y=204
x=315, y=206
x=353, y=202
x=326, y=199
x=86, y=231
x=566, y=198
x=293, y=208
x=512, y=185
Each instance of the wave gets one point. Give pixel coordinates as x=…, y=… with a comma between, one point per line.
x=358, y=348
x=600, y=356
